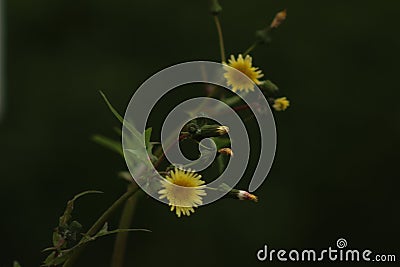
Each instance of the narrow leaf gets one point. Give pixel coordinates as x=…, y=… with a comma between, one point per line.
x=57, y=239
x=49, y=260
x=66, y=217
x=103, y=232
x=147, y=136
x=54, y=260
x=108, y=143
x=122, y=231
x=113, y=110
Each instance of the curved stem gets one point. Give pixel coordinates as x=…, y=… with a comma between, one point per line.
x=125, y=223
x=251, y=48
x=220, y=37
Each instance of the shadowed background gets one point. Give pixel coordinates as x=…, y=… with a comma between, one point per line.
x=334, y=173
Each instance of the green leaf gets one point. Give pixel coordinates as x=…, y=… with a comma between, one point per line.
x=113, y=110
x=48, y=261
x=75, y=226
x=49, y=249
x=103, y=232
x=122, y=231
x=57, y=239
x=135, y=139
x=149, y=144
x=66, y=217
x=16, y=264
x=60, y=259
x=120, y=118
x=134, y=132
x=108, y=143
x=147, y=136
x=136, y=153
x=56, y=259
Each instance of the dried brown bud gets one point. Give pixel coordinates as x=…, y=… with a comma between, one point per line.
x=226, y=151
x=223, y=130
x=279, y=18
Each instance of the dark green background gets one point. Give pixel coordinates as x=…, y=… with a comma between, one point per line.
x=336, y=168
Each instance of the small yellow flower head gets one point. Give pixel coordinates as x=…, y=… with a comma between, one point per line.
x=184, y=190
x=244, y=195
x=237, y=81
x=281, y=104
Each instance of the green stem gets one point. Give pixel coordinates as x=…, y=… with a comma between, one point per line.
x=251, y=48
x=125, y=223
x=100, y=223
x=220, y=37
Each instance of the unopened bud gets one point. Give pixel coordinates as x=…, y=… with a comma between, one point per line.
x=237, y=194
x=244, y=195
x=207, y=131
x=269, y=86
x=279, y=18
x=226, y=151
x=215, y=7
x=223, y=130
x=213, y=130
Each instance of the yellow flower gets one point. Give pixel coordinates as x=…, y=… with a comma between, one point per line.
x=280, y=104
x=184, y=190
x=237, y=81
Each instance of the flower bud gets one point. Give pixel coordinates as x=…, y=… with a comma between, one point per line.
x=239, y=194
x=279, y=18
x=211, y=131
x=215, y=7
x=223, y=130
x=269, y=86
x=226, y=151
x=244, y=195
